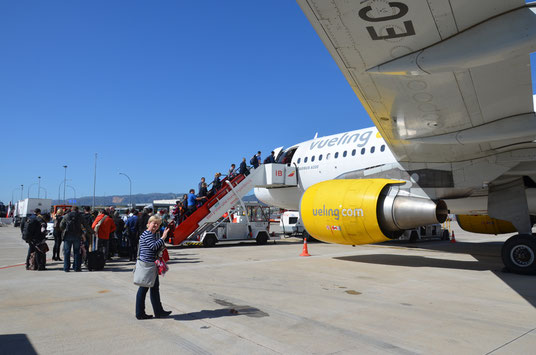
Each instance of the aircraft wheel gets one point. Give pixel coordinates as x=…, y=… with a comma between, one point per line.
x=413, y=237
x=445, y=235
x=519, y=254
x=209, y=241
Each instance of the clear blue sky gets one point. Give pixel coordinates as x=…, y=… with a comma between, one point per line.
x=163, y=91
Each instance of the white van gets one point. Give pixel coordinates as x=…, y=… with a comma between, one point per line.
x=290, y=223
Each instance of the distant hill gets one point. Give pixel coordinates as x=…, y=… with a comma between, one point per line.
x=122, y=200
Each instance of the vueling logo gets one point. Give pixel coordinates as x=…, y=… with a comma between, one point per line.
x=361, y=140
x=336, y=213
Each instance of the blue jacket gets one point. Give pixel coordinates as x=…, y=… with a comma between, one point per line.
x=132, y=224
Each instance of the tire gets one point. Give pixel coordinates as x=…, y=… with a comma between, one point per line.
x=310, y=239
x=413, y=237
x=209, y=241
x=262, y=238
x=445, y=235
x=519, y=254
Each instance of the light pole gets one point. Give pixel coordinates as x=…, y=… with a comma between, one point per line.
x=46, y=193
x=74, y=191
x=94, y=181
x=39, y=187
x=64, y=182
x=21, y=190
x=12, y=191
x=29, y=188
x=59, y=188
x=130, y=189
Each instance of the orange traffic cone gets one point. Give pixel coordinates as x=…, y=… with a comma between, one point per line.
x=305, y=252
x=453, y=238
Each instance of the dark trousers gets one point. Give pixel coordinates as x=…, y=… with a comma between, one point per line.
x=57, y=246
x=134, y=240
x=73, y=243
x=155, y=299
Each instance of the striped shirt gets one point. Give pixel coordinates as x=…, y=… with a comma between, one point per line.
x=149, y=245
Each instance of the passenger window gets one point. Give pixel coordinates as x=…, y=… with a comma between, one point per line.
x=382, y=148
x=305, y=160
x=344, y=154
x=353, y=152
x=313, y=158
x=336, y=155
x=320, y=157
x=299, y=159
x=362, y=151
x=372, y=149
x=327, y=156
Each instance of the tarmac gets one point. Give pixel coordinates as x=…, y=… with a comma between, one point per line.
x=393, y=298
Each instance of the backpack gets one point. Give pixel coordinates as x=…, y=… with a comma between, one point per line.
x=253, y=160
x=32, y=229
x=70, y=224
x=96, y=229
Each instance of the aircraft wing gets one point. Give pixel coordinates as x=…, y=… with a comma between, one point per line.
x=443, y=80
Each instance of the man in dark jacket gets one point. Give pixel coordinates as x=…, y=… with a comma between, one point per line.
x=132, y=227
x=73, y=233
x=243, y=168
x=35, y=236
x=143, y=220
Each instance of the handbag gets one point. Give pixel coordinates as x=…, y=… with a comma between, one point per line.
x=144, y=274
x=161, y=266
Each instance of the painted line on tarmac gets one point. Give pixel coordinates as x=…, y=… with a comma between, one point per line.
x=10, y=266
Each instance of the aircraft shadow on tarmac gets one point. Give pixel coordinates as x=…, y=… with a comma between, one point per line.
x=487, y=255
x=16, y=344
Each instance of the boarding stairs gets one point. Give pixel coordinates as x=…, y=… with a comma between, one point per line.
x=266, y=175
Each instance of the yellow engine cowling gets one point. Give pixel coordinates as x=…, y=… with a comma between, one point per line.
x=364, y=211
x=484, y=224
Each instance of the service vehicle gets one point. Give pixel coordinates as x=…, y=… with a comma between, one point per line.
x=290, y=223
x=245, y=222
x=431, y=231
x=25, y=207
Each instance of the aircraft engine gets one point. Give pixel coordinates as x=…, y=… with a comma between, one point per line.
x=365, y=211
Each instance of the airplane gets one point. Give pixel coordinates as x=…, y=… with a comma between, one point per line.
x=448, y=87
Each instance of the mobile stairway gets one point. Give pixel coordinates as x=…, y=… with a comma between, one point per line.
x=230, y=194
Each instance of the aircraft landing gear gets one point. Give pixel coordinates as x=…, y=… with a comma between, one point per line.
x=519, y=254
x=509, y=202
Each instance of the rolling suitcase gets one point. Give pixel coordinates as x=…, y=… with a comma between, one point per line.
x=124, y=246
x=95, y=258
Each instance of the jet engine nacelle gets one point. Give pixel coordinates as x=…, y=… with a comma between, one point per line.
x=365, y=211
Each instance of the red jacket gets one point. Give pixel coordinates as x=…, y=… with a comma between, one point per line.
x=106, y=228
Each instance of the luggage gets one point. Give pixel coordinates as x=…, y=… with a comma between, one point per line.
x=95, y=258
x=124, y=245
x=38, y=258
